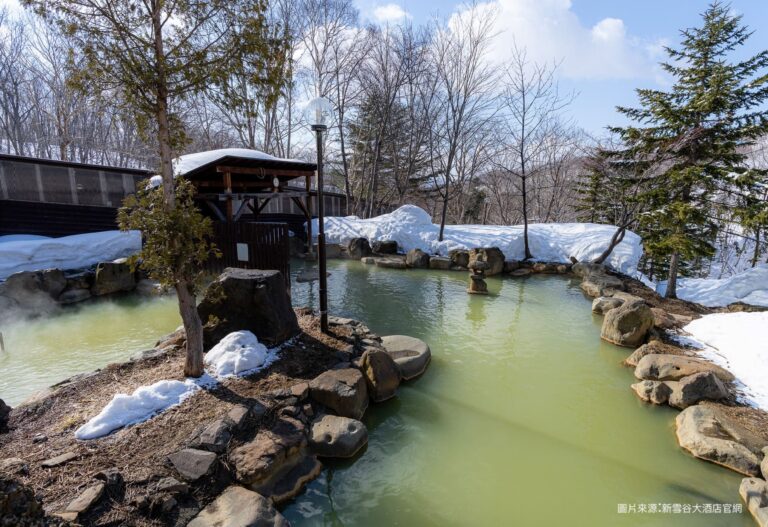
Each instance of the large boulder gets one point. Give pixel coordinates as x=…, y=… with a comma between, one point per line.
x=754, y=492
x=627, y=325
x=239, y=507
x=459, y=258
x=411, y=355
x=710, y=434
x=381, y=374
x=248, y=299
x=582, y=269
x=694, y=388
x=343, y=391
x=665, y=367
x=267, y=456
x=335, y=436
x=385, y=247
x=417, y=259
x=491, y=255
x=113, y=277
x=358, y=248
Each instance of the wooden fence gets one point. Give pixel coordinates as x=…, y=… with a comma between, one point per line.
x=250, y=245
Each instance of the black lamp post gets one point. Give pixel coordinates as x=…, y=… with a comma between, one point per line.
x=320, y=107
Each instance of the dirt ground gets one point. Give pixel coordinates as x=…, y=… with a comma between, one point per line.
x=139, y=452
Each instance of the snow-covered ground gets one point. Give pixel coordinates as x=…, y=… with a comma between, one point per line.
x=144, y=403
x=69, y=252
x=412, y=228
x=238, y=354
x=750, y=287
x=738, y=342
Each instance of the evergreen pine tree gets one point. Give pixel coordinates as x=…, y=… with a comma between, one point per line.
x=695, y=134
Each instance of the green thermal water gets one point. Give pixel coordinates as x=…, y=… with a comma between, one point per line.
x=44, y=351
x=523, y=418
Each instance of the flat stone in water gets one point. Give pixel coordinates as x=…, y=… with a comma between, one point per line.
x=411, y=355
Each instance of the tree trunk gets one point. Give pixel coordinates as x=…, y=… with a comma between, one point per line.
x=528, y=254
x=442, y=217
x=674, y=263
x=193, y=364
x=616, y=239
x=187, y=306
x=756, y=254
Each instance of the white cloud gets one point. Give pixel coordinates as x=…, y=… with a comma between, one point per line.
x=550, y=31
x=390, y=13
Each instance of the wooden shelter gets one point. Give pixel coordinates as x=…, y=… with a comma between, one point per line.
x=235, y=182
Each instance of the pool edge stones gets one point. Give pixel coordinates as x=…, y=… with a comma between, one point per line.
x=411, y=355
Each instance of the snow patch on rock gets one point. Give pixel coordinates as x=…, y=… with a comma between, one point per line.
x=239, y=353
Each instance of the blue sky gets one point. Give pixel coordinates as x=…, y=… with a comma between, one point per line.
x=607, y=48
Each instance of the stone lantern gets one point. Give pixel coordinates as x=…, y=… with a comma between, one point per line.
x=477, y=285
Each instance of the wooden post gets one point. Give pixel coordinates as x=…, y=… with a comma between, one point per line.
x=228, y=187
x=308, y=182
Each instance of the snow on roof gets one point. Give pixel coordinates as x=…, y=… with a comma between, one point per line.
x=189, y=162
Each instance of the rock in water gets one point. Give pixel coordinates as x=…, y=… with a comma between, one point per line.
x=602, y=304
x=358, y=247
x=417, y=259
x=381, y=374
x=248, y=299
x=627, y=325
x=491, y=255
x=343, y=391
x=709, y=434
x=754, y=492
x=666, y=367
x=442, y=263
x=113, y=277
x=459, y=258
x=334, y=436
x=239, y=507
x=655, y=392
x=385, y=247
x=694, y=388
x=411, y=355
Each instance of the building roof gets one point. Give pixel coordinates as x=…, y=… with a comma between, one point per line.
x=201, y=162
x=73, y=164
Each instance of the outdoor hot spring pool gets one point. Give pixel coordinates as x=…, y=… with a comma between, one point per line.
x=524, y=416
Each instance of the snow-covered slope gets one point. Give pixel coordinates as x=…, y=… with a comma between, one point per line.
x=412, y=228
x=750, y=287
x=738, y=342
x=69, y=252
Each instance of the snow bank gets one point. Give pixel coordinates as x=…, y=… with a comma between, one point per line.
x=69, y=252
x=750, y=287
x=190, y=162
x=738, y=342
x=142, y=404
x=236, y=354
x=412, y=227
